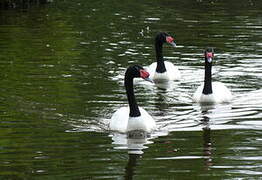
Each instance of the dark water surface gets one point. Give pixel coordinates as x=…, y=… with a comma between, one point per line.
x=62, y=67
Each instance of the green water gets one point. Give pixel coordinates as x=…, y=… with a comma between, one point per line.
x=62, y=66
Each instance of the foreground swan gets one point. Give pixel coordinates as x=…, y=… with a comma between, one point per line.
x=163, y=70
x=211, y=92
x=132, y=118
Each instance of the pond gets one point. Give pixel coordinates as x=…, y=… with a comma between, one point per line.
x=62, y=71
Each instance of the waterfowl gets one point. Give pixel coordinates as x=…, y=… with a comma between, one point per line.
x=132, y=117
x=162, y=70
x=211, y=92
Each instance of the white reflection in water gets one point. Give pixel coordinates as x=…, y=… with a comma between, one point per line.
x=133, y=145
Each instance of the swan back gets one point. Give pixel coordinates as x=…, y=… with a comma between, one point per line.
x=119, y=120
x=122, y=122
x=221, y=94
x=171, y=73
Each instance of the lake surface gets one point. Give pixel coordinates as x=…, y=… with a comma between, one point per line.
x=62, y=68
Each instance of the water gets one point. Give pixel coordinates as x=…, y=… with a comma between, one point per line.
x=62, y=67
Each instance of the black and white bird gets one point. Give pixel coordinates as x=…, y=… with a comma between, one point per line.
x=211, y=92
x=132, y=117
x=162, y=70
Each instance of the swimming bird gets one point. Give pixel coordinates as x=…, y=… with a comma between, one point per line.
x=162, y=70
x=132, y=117
x=211, y=92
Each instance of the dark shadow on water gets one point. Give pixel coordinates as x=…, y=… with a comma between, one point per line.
x=207, y=107
x=134, y=143
x=131, y=165
x=207, y=144
x=161, y=104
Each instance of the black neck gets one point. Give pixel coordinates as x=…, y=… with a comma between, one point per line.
x=159, y=57
x=208, y=78
x=134, y=110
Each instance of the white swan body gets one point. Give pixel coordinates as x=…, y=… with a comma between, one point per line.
x=221, y=94
x=211, y=92
x=132, y=118
x=162, y=70
x=172, y=72
x=121, y=122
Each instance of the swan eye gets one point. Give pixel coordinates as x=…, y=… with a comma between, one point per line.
x=144, y=74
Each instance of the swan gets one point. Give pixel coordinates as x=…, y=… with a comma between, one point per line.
x=132, y=117
x=211, y=92
x=163, y=70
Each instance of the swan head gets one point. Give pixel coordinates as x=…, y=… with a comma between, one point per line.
x=163, y=37
x=209, y=54
x=137, y=71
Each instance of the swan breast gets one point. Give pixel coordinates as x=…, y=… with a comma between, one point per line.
x=221, y=94
x=172, y=72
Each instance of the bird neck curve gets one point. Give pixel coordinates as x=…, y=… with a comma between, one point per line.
x=208, y=78
x=160, y=68
x=133, y=107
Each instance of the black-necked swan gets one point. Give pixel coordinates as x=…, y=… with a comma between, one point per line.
x=132, y=117
x=211, y=92
x=162, y=70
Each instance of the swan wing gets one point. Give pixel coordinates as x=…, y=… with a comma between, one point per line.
x=172, y=70
x=151, y=69
x=172, y=73
x=119, y=120
x=221, y=92
x=198, y=93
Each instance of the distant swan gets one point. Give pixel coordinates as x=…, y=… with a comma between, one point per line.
x=132, y=118
x=211, y=92
x=163, y=70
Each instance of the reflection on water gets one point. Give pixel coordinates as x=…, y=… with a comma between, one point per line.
x=131, y=165
x=207, y=144
x=133, y=145
x=207, y=147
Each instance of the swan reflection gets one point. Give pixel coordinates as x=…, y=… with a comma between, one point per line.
x=207, y=144
x=131, y=164
x=134, y=145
